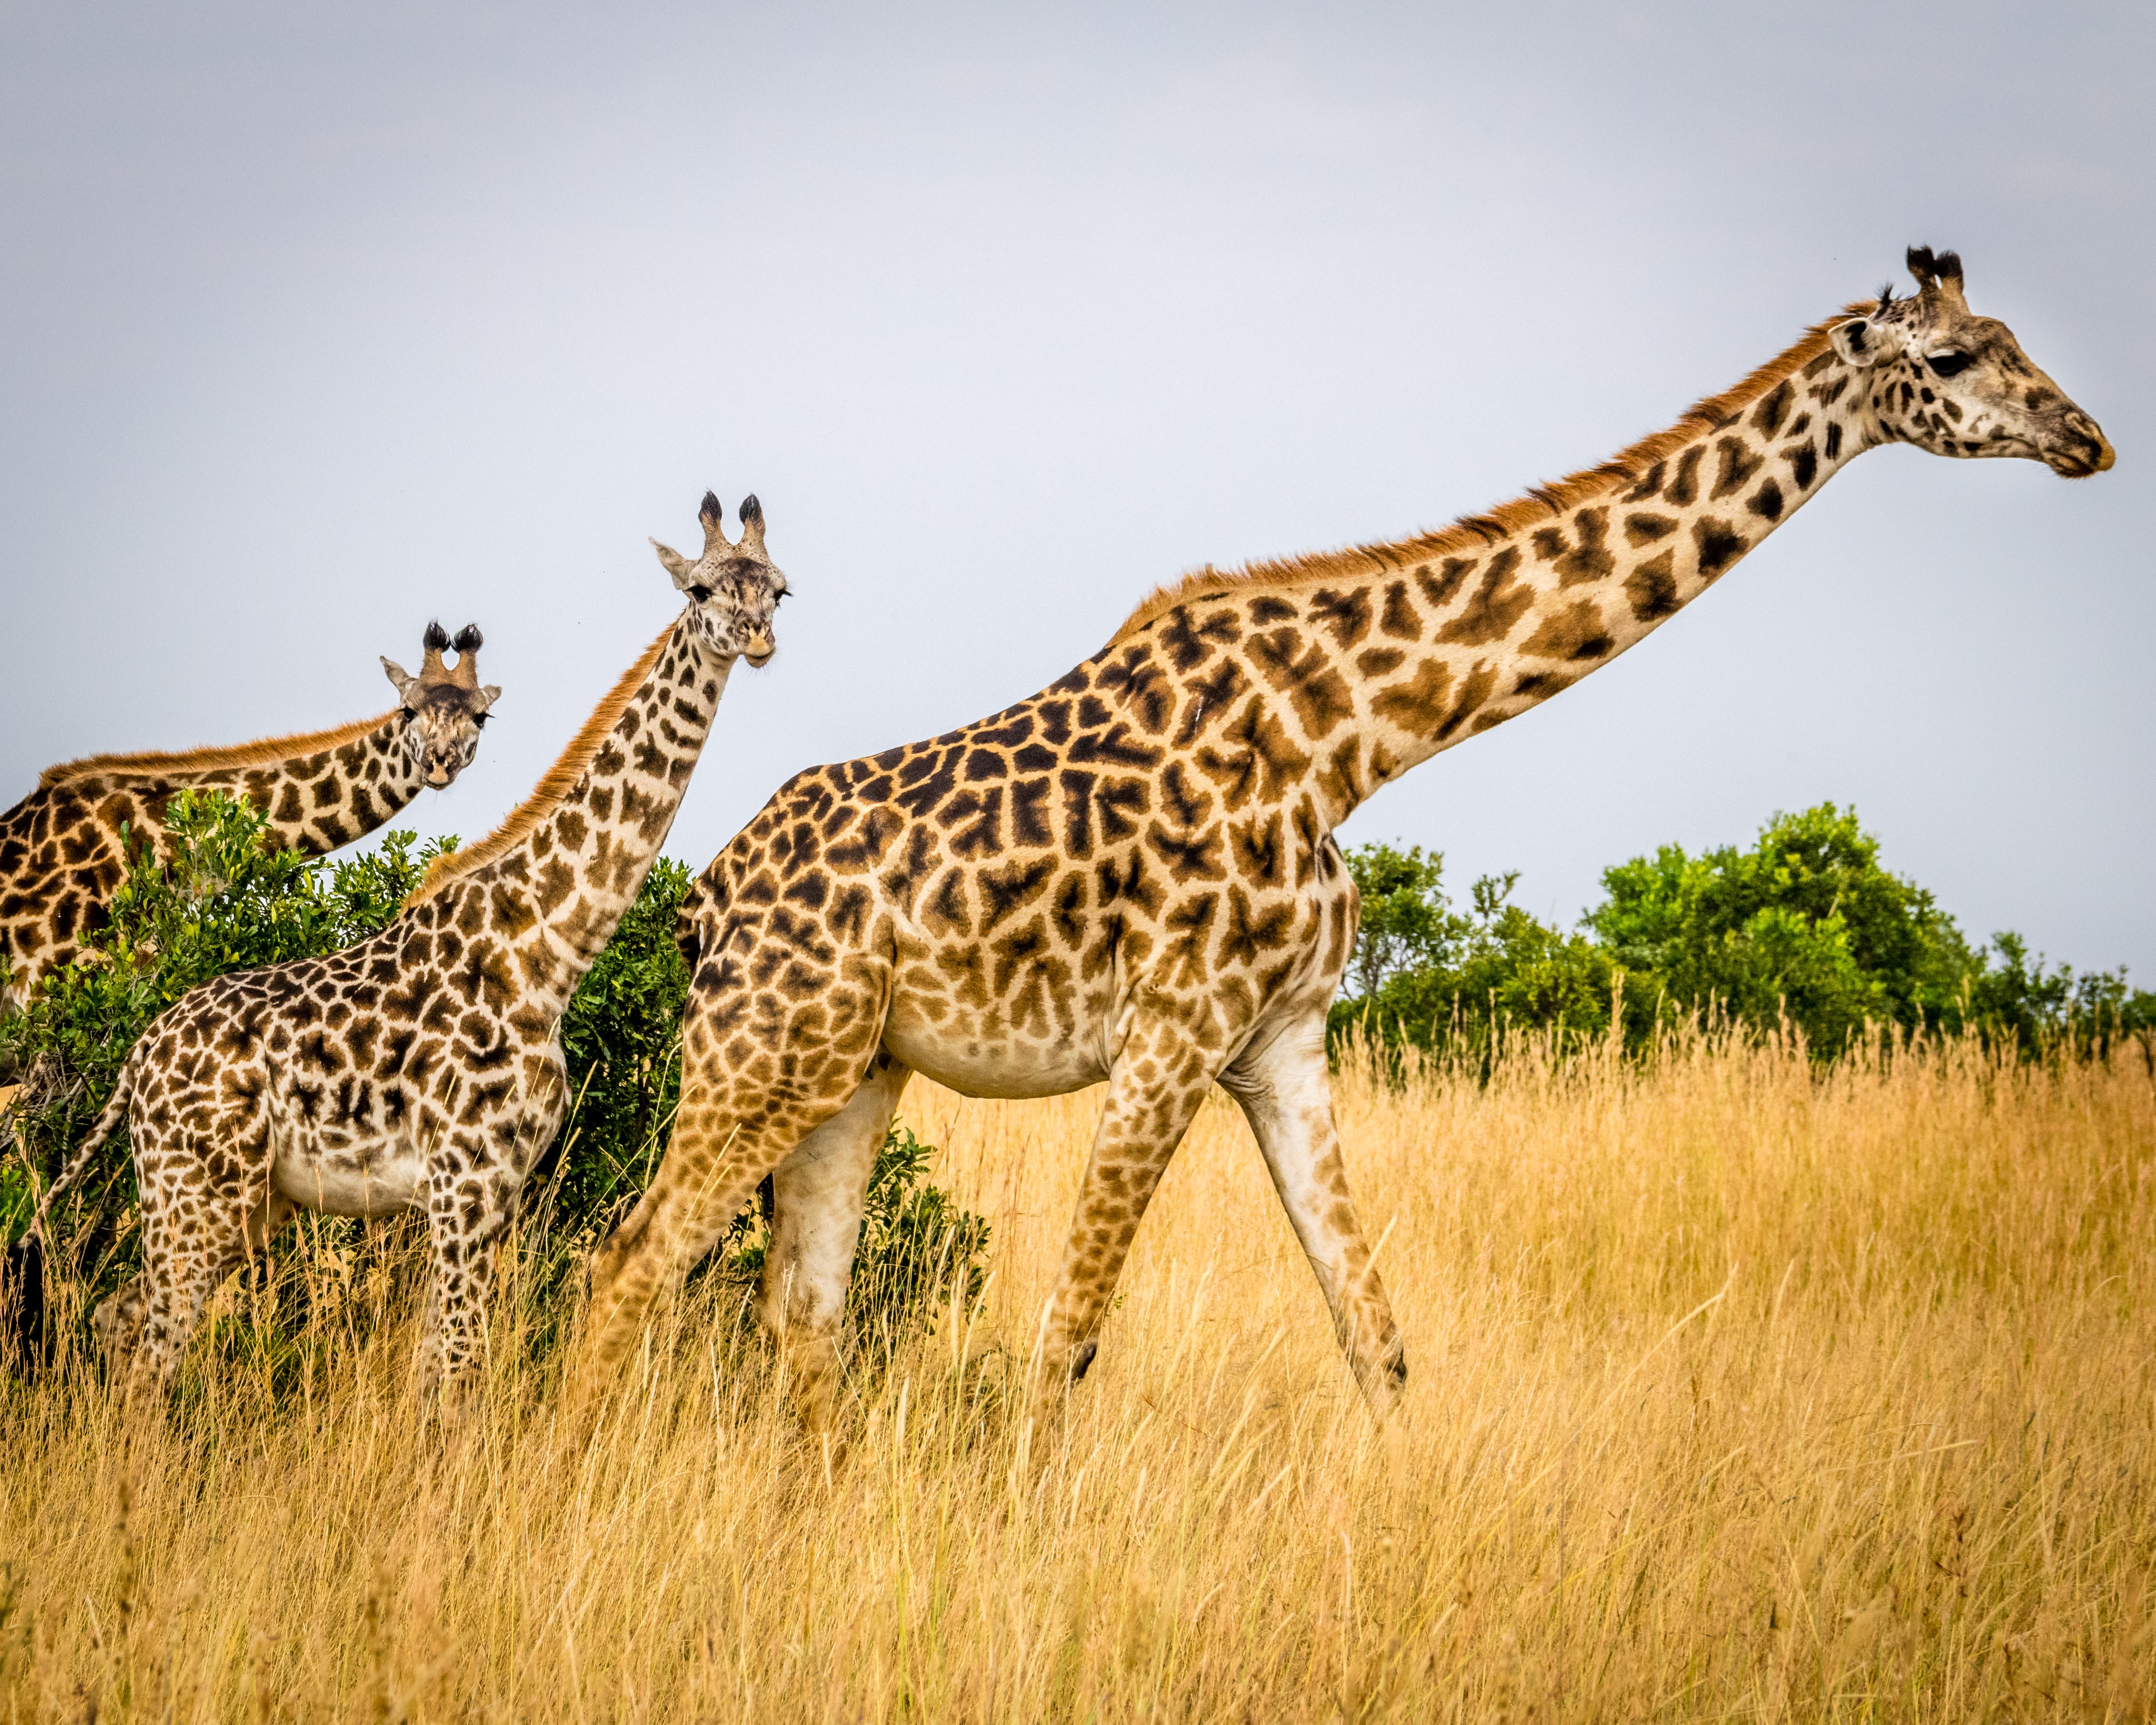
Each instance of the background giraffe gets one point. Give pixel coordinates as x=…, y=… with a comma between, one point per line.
x=1131, y=877
x=62, y=856
x=421, y=1068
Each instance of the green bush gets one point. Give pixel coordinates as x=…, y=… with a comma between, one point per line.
x=1804, y=928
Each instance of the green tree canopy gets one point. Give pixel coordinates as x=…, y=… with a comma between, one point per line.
x=1804, y=926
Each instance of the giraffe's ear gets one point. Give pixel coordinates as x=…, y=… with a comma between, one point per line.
x=1858, y=341
x=403, y=680
x=677, y=565
x=492, y=691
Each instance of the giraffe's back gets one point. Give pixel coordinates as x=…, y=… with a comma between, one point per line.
x=1138, y=824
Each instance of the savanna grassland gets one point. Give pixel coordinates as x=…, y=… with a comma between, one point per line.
x=1738, y=1390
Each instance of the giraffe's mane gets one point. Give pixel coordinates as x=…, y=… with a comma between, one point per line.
x=560, y=778
x=1477, y=532
x=263, y=752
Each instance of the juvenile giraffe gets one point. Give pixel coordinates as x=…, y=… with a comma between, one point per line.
x=1131, y=877
x=61, y=852
x=421, y=1068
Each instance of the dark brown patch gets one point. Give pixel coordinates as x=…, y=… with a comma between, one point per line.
x=1188, y=856
x=1496, y=605
x=1452, y=574
x=1344, y=615
x=1576, y=632
x=1586, y=557
x=1250, y=932
x=1774, y=408
x=1652, y=587
x=1739, y=462
x=1006, y=890
x=1417, y=705
x=1256, y=758
x=1720, y=545
x=1189, y=644
x=1683, y=489
x=1254, y=847
x=1475, y=689
x=1399, y=620
x=1307, y=676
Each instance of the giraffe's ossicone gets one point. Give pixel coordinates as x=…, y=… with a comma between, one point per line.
x=1131, y=876
x=62, y=851
x=421, y=1069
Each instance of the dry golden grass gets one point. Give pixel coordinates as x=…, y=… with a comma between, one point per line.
x=1736, y=1392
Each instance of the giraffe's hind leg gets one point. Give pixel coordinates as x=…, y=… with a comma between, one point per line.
x=819, y=1191
x=776, y=1041
x=1159, y=1079
x=189, y=1248
x=1286, y=1094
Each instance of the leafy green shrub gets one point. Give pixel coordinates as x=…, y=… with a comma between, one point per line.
x=622, y=1037
x=1461, y=980
x=1804, y=928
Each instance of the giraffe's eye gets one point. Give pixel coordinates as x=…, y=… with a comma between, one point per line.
x=479, y=719
x=1946, y=365
x=700, y=594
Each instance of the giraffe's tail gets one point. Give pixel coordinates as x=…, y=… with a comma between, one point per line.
x=23, y=1325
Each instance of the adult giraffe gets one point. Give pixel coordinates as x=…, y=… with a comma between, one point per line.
x=62, y=855
x=1131, y=877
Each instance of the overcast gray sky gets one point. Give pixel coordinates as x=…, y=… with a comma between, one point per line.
x=317, y=322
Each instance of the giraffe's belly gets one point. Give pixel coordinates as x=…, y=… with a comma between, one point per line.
x=374, y=1177
x=980, y=1066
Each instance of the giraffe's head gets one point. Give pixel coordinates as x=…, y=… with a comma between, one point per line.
x=443, y=706
x=732, y=589
x=1948, y=380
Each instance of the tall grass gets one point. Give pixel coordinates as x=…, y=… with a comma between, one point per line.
x=1739, y=1389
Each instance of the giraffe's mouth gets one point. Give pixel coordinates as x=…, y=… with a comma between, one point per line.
x=2088, y=452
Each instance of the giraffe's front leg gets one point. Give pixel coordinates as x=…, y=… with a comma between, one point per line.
x=1283, y=1087
x=470, y=1203
x=1154, y=1090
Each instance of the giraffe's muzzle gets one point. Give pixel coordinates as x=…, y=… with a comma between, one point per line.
x=2081, y=451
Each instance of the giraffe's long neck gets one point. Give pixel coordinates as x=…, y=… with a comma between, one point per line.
x=1411, y=648
x=324, y=799
x=330, y=788
x=552, y=883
